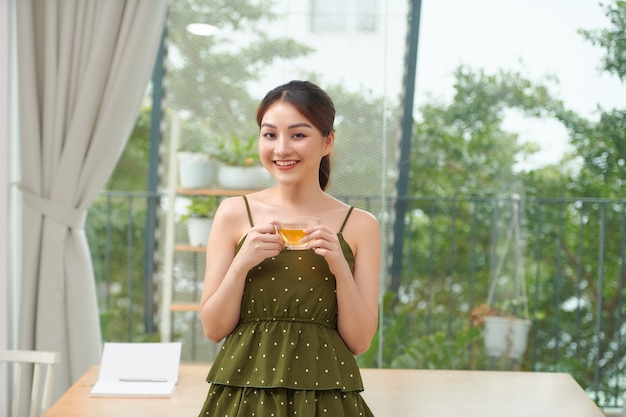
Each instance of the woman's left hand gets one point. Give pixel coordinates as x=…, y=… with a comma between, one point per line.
x=325, y=242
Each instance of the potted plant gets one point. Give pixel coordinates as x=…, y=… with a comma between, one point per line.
x=196, y=168
x=507, y=324
x=199, y=218
x=505, y=335
x=240, y=166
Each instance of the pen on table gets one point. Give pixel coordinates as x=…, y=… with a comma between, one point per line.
x=143, y=380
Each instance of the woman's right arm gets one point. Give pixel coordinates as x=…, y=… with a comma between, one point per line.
x=226, y=269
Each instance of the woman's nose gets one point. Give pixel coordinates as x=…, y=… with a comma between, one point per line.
x=282, y=145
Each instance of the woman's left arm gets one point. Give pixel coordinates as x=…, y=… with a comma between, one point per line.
x=357, y=293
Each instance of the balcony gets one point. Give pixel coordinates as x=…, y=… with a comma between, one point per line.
x=570, y=264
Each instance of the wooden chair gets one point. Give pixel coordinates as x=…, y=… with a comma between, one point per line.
x=40, y=361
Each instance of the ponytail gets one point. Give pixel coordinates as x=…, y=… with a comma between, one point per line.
x=324, y=172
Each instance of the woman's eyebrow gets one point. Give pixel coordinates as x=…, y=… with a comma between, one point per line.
x=293, y=126
x=301, y=124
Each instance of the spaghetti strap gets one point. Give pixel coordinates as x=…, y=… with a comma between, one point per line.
x=346, y=219
x=248, y=210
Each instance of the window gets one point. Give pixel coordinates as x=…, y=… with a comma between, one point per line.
x=365, y=15
x=343, y=16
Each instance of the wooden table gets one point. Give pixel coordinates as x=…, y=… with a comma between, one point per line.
x=388, y=392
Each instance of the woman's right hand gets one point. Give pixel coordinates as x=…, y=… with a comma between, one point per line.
x=261, y=242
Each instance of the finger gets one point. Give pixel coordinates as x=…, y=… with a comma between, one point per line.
x=269, y=228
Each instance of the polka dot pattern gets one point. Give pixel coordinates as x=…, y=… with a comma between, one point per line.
x=286, y=356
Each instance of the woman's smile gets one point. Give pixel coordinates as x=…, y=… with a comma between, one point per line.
x=286, y=164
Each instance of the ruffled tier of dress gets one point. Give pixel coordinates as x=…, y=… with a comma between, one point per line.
x=286, y=353
x=230, y=401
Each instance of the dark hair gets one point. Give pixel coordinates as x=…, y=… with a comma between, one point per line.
x=314, y=104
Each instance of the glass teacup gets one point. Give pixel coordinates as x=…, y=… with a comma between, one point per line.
x=291, y=229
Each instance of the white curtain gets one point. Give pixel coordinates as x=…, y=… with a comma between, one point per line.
x=83, y=68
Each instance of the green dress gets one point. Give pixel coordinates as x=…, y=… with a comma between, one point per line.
x=285, y=358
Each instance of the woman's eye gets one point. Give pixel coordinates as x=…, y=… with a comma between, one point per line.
x=299, y=135
x=269, y=135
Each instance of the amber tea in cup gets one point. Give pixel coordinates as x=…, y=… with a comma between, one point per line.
x=292, y=230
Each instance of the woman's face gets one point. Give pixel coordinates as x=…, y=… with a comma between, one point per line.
x=290, y=146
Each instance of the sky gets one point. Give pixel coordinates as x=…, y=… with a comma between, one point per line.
x=537, y=38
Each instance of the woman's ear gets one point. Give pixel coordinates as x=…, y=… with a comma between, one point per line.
x=329, y=142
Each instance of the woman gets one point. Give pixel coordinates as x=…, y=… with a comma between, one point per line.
x=293, y=319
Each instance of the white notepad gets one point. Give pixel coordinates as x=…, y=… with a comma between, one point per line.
x=138, y=370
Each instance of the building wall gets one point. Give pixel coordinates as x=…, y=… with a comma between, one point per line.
x=367, y=61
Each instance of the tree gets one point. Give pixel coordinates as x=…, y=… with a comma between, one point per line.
x=601, y=146
x=461, y=181
x=461, y=148
x=131, y=170
x=209, y=77
x=111, y=233
x=363, y=128
x=613, y=39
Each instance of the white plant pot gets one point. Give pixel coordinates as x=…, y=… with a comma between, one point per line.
x=243, y=178
x=506, y=336
x=195, y=170
x=198, y=229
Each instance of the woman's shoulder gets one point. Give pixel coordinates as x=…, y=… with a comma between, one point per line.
x=362, y=219
x=231, y=207
x=231, y=210
x=349, y=216
x=239, y=201
x=361, y=231
x=231, y=220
